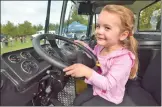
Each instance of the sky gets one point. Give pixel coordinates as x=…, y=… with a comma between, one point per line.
x=32, y=11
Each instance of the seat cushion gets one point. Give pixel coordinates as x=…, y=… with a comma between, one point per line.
x=140, y=97
x=152, y=78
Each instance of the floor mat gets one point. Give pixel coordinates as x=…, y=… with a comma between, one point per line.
x=68, y=94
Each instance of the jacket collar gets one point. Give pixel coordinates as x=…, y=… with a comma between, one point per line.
x=120, y=52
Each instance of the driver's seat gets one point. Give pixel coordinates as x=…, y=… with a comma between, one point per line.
x=92, y=41
x=147, y=92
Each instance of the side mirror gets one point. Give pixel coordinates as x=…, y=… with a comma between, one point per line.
x=85, y=8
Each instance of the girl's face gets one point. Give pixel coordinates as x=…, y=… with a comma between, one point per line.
x=108, y=29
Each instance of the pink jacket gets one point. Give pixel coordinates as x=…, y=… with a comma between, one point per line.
x=116, y=67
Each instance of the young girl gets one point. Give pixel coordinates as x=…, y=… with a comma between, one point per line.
x=116, y=51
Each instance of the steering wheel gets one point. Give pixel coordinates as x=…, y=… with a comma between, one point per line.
x=56, y=61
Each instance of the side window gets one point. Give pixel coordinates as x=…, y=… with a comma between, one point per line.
x=150, y=18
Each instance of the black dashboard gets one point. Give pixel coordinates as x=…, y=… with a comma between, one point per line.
x=25, y=66
x=25, y=75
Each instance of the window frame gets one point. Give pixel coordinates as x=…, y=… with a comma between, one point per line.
x=138, y=21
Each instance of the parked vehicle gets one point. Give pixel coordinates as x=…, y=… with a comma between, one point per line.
x=33, y=76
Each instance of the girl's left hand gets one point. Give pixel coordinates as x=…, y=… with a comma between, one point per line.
x=78, y=70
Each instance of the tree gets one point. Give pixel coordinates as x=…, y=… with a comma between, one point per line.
x=25, y=28
x=145, y=16
x=79, y=18
x=83, y=19
x=56, y=26
x=9, y=29
x=39, y=27
x=51, y=26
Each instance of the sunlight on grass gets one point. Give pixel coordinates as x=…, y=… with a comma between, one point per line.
x=17, y=45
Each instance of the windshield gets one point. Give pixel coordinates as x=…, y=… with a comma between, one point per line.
x=75, y=25
x=24, y=20
x=20, y=23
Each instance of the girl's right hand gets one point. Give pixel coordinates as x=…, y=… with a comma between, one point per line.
x=80, y=42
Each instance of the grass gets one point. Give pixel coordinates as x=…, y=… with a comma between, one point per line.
x=17, y=45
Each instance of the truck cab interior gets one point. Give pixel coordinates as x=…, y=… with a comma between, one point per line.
x=34, y=76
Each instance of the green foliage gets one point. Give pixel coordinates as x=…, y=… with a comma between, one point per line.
x=25, y=28
x=79, y=18
x=39, y=27
x=53, y=26
x=83, y=19
x=145, y=16
x=9, y=29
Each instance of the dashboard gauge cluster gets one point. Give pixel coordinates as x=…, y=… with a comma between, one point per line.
x=14, y=58
x=25, y=55
x=23, y=69
x=27, y=60
x=29, y=66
